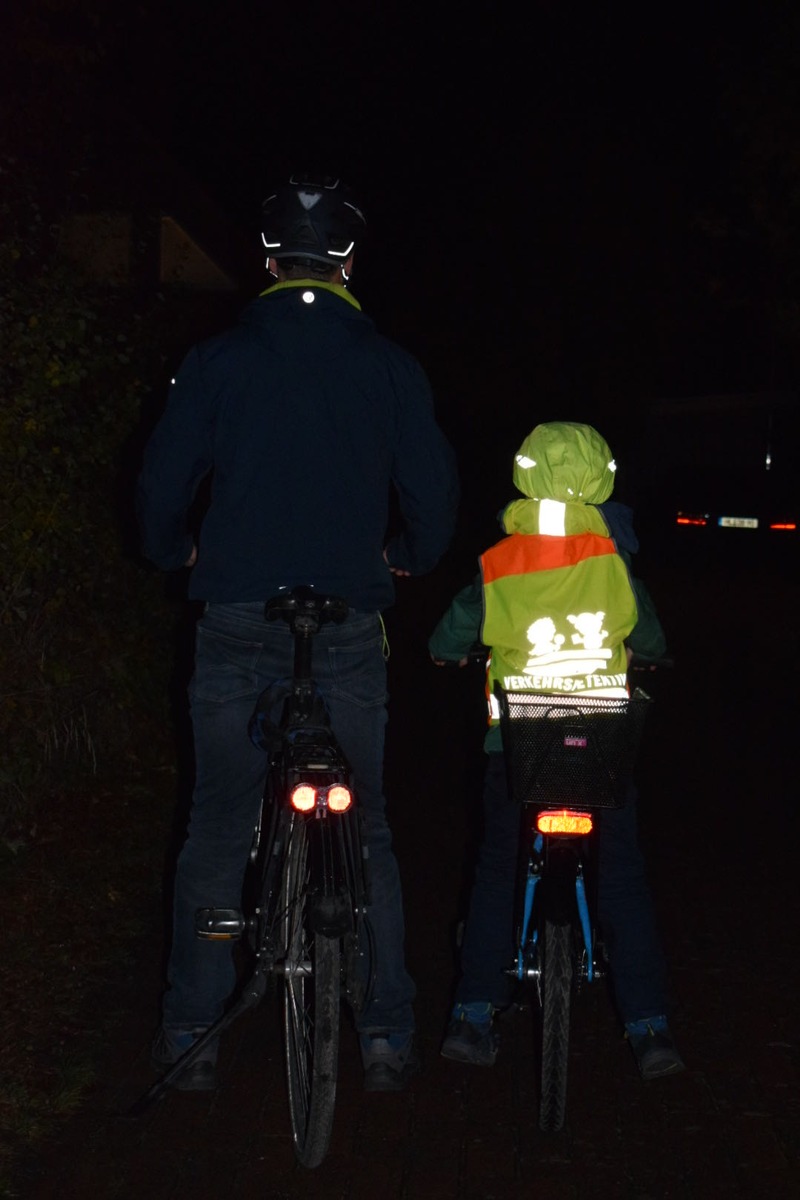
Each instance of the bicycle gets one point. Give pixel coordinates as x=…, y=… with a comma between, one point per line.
x=305, y=898
x=567, y=757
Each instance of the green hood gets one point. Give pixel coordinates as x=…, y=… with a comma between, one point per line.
x=565, y=461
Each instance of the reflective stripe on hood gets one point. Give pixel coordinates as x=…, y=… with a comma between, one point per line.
x=555, y=518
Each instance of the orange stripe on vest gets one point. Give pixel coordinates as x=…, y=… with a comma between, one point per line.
x=522, y=553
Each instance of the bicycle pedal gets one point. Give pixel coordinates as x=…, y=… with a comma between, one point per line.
x=219, y=924
x=513, y=1010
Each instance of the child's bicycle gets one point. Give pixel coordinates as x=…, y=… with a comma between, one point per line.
x=567, y=757
x=305, y=897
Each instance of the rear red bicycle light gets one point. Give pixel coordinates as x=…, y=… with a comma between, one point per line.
x=564, y=822
x=339, y=798
x=303, y=797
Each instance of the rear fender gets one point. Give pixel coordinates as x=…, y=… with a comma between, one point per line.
x=562, y=858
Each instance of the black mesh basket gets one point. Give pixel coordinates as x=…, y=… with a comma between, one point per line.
x=571, y=750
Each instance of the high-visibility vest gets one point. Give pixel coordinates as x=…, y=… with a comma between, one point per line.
x=556, y=612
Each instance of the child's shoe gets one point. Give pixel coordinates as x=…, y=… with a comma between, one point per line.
x=653, y=1048
x=471, y=1037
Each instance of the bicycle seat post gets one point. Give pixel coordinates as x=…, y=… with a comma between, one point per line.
x=304, y=626
x=304, y=611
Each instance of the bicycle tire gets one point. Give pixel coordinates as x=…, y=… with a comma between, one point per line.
x=558, y=969
x=311, y=986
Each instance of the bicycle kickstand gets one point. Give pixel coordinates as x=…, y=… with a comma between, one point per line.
x=254, y=992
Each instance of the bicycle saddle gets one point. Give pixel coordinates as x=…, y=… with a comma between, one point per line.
x=304, y=601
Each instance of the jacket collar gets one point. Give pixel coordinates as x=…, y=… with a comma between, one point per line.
x=314, y=284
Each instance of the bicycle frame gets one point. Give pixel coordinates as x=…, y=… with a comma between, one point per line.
x=335, y=870
x=567, y=756
x=315, y=926
x=310, y=757
x=304, y=917
x=561, y=860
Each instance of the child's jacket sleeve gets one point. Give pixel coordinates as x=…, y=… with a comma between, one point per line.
x=647, y=636
x=460, y=626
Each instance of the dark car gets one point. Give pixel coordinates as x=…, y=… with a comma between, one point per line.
x=716, y=476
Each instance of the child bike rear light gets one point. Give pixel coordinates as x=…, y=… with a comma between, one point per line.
x=564, y=822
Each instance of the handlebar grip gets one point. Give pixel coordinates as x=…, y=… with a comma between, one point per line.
x=477, y=653
x=641, y=662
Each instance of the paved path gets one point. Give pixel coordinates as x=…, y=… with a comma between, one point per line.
x=728, y=1127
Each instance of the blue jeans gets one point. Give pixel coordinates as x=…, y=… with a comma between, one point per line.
x=237, y=655
x=625, y=908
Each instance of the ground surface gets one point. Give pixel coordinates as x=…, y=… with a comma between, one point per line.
x=718, y=823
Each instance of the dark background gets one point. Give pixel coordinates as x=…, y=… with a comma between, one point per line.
x=569, y=206
x=575, y=212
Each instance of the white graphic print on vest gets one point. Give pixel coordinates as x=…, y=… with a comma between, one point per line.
x=547, y=646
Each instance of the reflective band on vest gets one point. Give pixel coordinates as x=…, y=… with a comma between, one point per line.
x=556, y=613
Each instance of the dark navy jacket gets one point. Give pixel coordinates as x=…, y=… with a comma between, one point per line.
x=307, y=417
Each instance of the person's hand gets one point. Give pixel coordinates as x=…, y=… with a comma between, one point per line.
x=640, y=666
x=449, y=662
x=192, y=559
x=395, y=570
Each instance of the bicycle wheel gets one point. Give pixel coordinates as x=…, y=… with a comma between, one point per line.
x=311, y=1011
x=557, y=993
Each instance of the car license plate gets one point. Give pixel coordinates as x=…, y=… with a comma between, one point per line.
x=738, y=522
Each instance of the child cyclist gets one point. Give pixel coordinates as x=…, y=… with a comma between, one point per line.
x=557, y=607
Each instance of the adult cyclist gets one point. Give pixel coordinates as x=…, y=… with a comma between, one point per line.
x=306, y=418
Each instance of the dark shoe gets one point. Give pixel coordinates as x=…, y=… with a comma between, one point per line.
x=471, y=1036
x=475, y=1043
x=170, y=1045
x=653, y=1048
x=390, y=1060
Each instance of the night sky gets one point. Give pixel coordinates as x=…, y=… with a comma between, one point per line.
x=561, y=170
x=570, y=207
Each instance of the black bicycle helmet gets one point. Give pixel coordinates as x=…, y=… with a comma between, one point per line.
x=312, y=217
